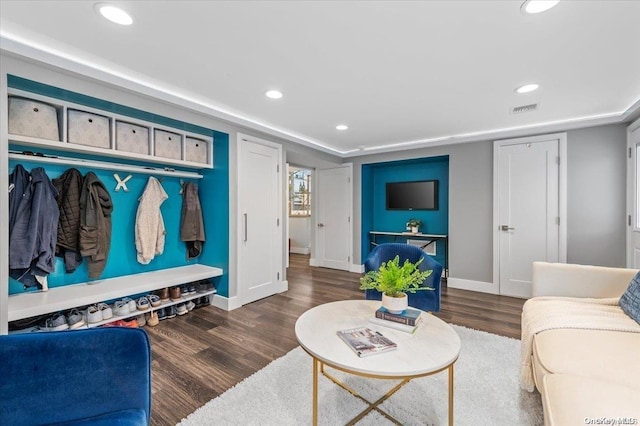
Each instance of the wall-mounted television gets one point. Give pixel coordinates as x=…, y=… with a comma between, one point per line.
x=416, y=195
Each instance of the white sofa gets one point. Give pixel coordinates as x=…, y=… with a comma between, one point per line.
x=584, y=375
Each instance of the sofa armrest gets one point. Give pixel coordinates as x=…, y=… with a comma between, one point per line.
x=572, y=280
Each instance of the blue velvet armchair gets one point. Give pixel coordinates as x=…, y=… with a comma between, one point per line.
x=424, y=299
x=99, y=376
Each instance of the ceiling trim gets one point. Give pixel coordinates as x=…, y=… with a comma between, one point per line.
x=21, y=47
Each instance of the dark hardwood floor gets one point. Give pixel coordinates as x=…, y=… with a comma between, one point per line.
x=198, y=356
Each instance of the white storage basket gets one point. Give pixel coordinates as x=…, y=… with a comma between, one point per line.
x=167, y=144
x=85, y=128
x=37, y=119
x=132, y=138
x=196, y=150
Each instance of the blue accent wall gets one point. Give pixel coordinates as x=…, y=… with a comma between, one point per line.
x=213, y=192
x=376, y=217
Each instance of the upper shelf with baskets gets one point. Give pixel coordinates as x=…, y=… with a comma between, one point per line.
x=40, y=121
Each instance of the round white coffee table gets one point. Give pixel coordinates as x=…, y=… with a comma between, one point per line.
x=432, y=348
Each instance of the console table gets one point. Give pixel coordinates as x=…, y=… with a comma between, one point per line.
x=428, y=239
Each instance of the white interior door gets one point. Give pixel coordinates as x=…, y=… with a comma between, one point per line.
x=633, y=201
x=260, y=207
x=528, y=210
x=333, y=224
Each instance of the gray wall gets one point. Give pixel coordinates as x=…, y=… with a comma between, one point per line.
x=596, y=169
x=596, y=200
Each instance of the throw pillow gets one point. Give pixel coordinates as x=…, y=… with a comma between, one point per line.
x=630, y=300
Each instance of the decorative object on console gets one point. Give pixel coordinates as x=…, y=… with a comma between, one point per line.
x=149, y=229
x=394, y=281
x=191, y=226
x=414, y=225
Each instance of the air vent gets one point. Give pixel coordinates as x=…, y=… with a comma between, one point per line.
x=524, y=108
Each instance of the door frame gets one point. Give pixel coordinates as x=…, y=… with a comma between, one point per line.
x=282, y=284
x=631, y=191
x=562, y=194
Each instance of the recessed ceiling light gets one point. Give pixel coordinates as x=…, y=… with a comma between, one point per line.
x=342, y=127
x=537, y=6
x=114, y=14
x=527, y=88
x=273, y=94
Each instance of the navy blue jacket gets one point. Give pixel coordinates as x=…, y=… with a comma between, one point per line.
x=33, y=224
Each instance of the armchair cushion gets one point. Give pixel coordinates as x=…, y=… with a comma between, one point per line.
x=94, y=376
x=425, y=300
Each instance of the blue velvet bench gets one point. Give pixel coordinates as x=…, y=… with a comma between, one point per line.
x=99, y=376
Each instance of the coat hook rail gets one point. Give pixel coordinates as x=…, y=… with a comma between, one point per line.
x=93, y=164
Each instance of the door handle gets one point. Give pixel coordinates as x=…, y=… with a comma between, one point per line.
x=245, y=227
x=321, y=225
x=506, y=228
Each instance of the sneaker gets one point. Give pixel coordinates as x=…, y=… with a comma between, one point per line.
x=142, y=321
x=181, y=309
x=132, y=304
x=162, y=314
x=154, y=299
x=94, y=314
x=56, y=322
x=163, y=294
x=175, y=293
x=206, y=301
x=153, y=319
x=184, y=290
x=143, y=304
x=191, y=288
x=121, y=308
x=129, y=322
x=190, y=305
x=74, y=319
x=106, y=310
x=171, y=311
x=201, y=287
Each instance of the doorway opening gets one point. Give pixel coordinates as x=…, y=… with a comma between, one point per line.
x=300, y=184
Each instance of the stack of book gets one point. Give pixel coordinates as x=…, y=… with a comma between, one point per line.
x=407, y=321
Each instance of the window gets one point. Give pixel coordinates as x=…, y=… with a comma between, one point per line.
x=299, y=192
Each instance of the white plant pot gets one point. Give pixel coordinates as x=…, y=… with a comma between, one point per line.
x=395, y=305
x=414, y=229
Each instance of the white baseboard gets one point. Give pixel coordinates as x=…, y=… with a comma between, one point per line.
x=480, y=286
x=226, y=303
x=313, y=262
x=284, y=286
x=357, y=268
x=299, y=250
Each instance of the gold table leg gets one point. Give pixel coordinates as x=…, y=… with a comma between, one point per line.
x=315, y=391
x=450, y=395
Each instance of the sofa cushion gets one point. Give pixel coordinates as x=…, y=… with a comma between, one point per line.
x=130, y=417
x=607, y=355
x=630, y=299
x=574, y=400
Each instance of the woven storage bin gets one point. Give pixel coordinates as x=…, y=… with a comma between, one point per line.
x=89, y=129
x=132, y=138
x=195, y=150
x=33, y=118
x=167, y=144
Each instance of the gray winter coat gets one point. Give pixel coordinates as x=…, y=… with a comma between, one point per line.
x=95, y=224
x=191, y=227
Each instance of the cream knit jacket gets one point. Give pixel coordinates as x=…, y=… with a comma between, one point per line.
x=149, y=228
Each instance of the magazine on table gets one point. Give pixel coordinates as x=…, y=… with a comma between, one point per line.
x=365, y=341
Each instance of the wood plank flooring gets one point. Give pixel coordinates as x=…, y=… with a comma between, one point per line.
x=198, y=356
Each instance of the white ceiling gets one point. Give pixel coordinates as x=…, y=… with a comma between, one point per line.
x=398, y=73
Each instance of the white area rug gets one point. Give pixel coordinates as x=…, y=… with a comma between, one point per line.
x=486, y=392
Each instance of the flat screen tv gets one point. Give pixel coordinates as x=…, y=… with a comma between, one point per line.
x=417, y=195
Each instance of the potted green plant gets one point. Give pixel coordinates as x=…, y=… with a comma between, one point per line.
x=394, y=281
x=414, y=225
